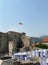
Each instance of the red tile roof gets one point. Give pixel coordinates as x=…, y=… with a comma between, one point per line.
x=45, y=40
x=33, y=45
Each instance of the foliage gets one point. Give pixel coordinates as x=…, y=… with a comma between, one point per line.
x=43, y=46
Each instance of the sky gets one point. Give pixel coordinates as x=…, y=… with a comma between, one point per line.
x=33, y=14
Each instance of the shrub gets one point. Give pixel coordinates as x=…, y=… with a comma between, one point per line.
x=43, y=46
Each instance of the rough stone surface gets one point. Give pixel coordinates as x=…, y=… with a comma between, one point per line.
x=25, y=63
x=17, y=40
x=12, y=62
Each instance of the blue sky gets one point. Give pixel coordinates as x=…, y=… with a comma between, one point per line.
x=32, y=13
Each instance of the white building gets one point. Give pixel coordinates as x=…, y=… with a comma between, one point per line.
x=22, y=56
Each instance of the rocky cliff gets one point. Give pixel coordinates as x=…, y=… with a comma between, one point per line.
x=12, y=41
